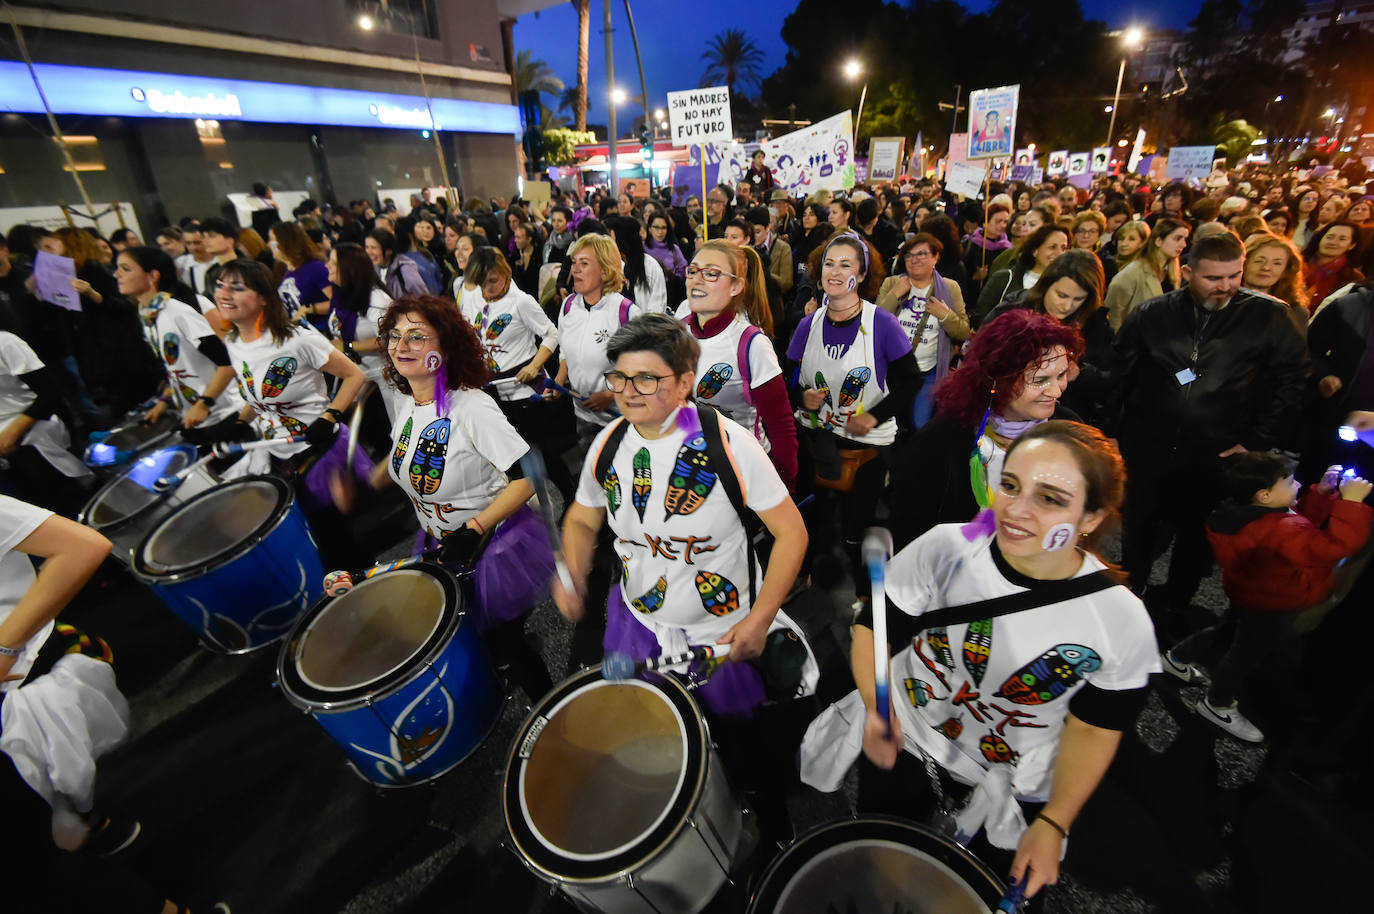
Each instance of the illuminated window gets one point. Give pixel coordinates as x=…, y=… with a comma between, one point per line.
x=85, y=153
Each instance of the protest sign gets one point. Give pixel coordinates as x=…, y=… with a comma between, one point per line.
x=965, y=178
x=1022, y=172
x=1078, y=164
x=1187, y=163
x=1059, y=160
x=1025, y=156
x=1102, y=157
x=992, y=122
x=700, y=116
x=1134, y=159
x=53, y=274
x=1037, y=175
x=885, y=157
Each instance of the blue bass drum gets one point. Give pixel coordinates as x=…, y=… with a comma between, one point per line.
x=395, y=674
x=235, y=563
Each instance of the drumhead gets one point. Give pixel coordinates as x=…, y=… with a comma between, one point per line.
x=365, y=643
x=133, y=491
x=215, y=526
x=137, y=434
x=603, y=775
x=877, y=864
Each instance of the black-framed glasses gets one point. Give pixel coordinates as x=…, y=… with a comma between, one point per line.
x=644, y=383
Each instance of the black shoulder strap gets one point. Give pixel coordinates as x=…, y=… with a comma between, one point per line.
x=902, y=628
x=608, y=449
x=725, y=472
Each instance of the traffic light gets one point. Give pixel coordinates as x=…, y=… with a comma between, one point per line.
x=646, y=144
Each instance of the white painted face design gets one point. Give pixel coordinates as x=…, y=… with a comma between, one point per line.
x=1058, y=537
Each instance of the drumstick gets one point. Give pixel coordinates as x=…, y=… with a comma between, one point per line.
x=1015, y=897
x=616, y=666
x=356, y=424
x=568, y=393
x=533, y=465
x=233, y=448
x=876, y=550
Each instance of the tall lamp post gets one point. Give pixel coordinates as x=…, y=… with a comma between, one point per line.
x=1130, y=41
x=852, y=70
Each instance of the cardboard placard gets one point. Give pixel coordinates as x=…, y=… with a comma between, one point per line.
x=698, y=116
x=992, y=122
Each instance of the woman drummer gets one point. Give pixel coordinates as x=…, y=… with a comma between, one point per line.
x=457, y=458
x=688, y=575
x=1016, y=716
x=281, y=368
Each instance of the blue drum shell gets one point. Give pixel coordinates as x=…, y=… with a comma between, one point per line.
x=419, y=722
x=250, y=595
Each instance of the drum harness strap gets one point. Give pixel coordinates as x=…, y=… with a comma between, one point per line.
x=903, y=629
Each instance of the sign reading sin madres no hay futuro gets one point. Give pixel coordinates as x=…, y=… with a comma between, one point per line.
x=700, y=116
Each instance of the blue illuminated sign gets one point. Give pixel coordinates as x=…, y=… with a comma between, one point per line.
x=132, y=93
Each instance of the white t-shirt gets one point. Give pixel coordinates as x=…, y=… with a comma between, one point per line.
x=653, y=297
x=583, y=333
x=283, y=383
x=682, y=545
x=512, y=328
x=175, y=332
x=720, y=381
x=195, y=274
x=452, y=468
x=18, y=519
x=16, y=358
x=972, y=697
x=366, y=329
x=909, y=314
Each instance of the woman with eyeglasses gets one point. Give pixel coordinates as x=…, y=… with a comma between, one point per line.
x=1012, y=375
x=281, y=367
x=738, y=371
x=931, y=311
x=689, y=573
x=457, y=457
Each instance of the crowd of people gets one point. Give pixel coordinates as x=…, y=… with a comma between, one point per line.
x=995, y=381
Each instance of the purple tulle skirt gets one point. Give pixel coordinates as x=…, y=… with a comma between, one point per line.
x=734, y=689
x=514, y=571
x=314, y=488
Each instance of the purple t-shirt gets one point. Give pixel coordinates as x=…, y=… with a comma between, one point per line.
x=890, y=341
x=305, y=286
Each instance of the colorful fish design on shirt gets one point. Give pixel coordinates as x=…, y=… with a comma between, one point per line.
x=612, y=488
x=294, y=426
x=187, y=394
x=427, y=463
x=402, y=445
x=938, y=638
x=692, y=478
x=718, y=595
x=246, y=380
x=279, y=374
x=171, y=348
x=977, y=647
x=996, y=750
x=919, y=691
x=496, y=326
x=643, y=481
x=824, y=387
x=853, y=385
x=951, y=729
x=714, y=380
x=1050, y=675
x=653, y=600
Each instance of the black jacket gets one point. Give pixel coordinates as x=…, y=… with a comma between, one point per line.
x=1000, y=286
x=1250, y=363
x=1336, y=339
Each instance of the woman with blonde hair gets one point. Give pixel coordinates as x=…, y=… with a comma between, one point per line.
x=1129, y=241
x=1273, y=265
x=1145, y=277
x=586, y=321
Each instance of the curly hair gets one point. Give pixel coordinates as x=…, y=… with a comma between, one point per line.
x=995, y=364
x=465, y=358
x=1290, y=287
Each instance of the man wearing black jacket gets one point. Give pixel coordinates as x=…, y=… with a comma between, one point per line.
x=1207, y=371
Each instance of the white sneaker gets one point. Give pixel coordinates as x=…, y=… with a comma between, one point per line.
x=1188, y=672
x=1231, y=720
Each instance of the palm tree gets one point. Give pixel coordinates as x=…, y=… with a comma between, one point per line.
x=732, y=58
x=584, y=28
x=536, y=76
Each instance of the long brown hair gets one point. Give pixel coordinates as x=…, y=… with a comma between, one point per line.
x=294, y=246
x=1100, y=462
x=258, y=278
x=745, y=263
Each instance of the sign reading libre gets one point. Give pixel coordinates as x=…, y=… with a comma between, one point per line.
x=700, y=116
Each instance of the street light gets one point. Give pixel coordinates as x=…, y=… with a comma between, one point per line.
x=852, y=70
x=365, y=22
x=1130, y=40
x=618, y=96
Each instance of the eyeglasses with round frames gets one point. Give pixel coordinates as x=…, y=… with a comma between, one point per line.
x=645, y=384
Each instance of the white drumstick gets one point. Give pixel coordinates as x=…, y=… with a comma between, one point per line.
x=230, y=448
x=356, y=424
x=876, y=550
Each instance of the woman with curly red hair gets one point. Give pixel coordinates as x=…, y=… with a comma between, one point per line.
x=458, y=458
x=1013, y=373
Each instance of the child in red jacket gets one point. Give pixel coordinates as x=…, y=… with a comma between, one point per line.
x=1275, y=562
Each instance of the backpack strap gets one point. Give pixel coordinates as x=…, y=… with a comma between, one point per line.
x=567, y=303
x=609, y=446
x=718, y=452
x=742, y=359
x=625, y=305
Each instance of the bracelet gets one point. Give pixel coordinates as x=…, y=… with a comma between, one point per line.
x=481, y=531
x=336, y=413
x=1063, y=832
x=208, y=401
x=11, y=651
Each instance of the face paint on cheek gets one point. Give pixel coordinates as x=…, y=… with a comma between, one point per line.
x=851, y=284
x=432, y=361
x=1058, y=537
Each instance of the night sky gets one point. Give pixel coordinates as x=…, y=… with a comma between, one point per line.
x=684, y=30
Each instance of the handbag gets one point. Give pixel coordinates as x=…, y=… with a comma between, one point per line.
x=845, y=462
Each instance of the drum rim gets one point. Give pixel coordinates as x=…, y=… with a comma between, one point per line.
x=777, y=875
x=170, y=417
x=125, y=469
x=286, y=500
x=299, y=693
x=674, y=821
